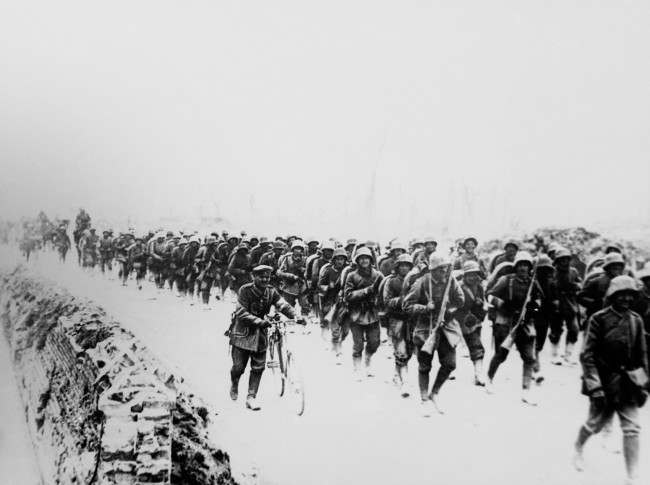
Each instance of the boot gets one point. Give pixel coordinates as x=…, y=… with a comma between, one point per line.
x=578, y=459
x=403, y=372
x=397, y=377
x=478, y=373
x=568, y=354
x=555, y=354
x=423, y=384
x=527, y=397
x=631, y=455
x=356, y=368
x=489, y=386
x=368, y=363
x=252, y=404
x=254, y=383
x=234, y=388
x=436, y=403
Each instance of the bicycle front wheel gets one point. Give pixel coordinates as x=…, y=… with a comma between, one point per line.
x=296, y=385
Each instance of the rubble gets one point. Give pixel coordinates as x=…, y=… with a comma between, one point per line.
x=100, y=407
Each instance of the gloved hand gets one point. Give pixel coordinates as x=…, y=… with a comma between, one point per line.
x=264, y=324
x=301, y=320
x=598, y=399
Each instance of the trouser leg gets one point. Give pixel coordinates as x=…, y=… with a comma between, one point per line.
x=526, y=347
x=500, y=333
x=447, y=359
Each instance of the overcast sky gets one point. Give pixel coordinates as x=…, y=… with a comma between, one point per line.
x=338, y=117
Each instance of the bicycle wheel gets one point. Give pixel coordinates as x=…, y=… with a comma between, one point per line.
x=276, y=366
x=282, y=366
x=296, y=385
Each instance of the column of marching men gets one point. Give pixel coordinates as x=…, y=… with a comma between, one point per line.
x=430, y=302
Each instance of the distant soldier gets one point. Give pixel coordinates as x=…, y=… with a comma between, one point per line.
x=592, y=294
x=615, y=371
x=567, y=285
x=313, y=266
x=359, y=292
x=239, y=268
x=400, y=324
x=471, y=315
x=329, y=287
x=510, y=252
x=271, y=258
x=190, y=268
x=292, y=276
x=387, y=264
x=421, y=256
x=137, y=257
x=423, y=302
x=508, y=297
x=469, y=254
x=206, y=262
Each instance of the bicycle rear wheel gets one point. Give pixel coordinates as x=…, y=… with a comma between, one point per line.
x=276, y=364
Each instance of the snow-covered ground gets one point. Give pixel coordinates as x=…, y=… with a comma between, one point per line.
x=361, y=432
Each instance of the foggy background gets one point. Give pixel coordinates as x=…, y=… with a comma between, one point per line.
x=344, y=118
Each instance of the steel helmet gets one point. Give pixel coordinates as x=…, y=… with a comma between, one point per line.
x=436, y=261
x=430, y=239
x=362, y=251
x=554, y=246
x=279, y=245
x=613, y=247
x=327, y=245
x=340, y=253
x=621, y=283
x=398, y=245
x=471, y=267
x=523, y=257
x=404, y=259
x=211, y=240
x=312, y=240
x=543, y=261
x=260, y=268
x=613, y=258
x=242, y=246
x=195, y=239
x=468, y=239
x=512, y=242
x=298, y=244
x=561, y=252
x=350, y=242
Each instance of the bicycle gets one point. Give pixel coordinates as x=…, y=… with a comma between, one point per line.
x=280, y=357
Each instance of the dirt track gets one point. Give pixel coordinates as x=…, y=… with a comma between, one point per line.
x=361, y=432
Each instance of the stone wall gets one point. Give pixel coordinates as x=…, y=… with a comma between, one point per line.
x=99, y=406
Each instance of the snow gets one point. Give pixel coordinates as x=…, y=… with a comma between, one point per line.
x=364, y=432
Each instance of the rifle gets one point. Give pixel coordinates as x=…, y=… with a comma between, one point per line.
x=510, y=339
x=431, y=344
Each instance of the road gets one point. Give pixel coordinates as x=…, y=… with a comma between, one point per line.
x=360, y=432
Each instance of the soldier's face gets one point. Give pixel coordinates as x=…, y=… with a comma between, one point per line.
x=438, y=273
x=623, y=300
x=563, y=263
x=471, y=278
x=262, y=279
x=397, y=252
x=278, y=252
x=614, y=270
x=363, y=262
x=511, y=251
x=523, y=270
x=339, y=262
x=430, y=247
x=470, y=246
x=327, y=254
x=298, y=254
x=403, y=269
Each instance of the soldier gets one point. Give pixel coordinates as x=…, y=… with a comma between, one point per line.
x=178, y=267
x=239, y=268
x=548, y=311
x=206, y=263
x=421, y=256
x=291, y=272
x=312, y=271
x=510, y=252
x=137, y=258
x=400, y=325
x=191, y=270
x=471, y=316
x=312, y=247
x=615, y=371
x=508, y=297
x=359, y=291
x=156, y=250
x=259, y=250
x=567, y=285
x=642, y=306
x=592, y=294
x=271, y=258
x=387, y=264
x=329, y=286
x=248, y=334
x=350, y=245
x=469, y=246
x=423, y=303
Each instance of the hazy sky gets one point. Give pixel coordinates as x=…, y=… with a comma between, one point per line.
x=472, y=116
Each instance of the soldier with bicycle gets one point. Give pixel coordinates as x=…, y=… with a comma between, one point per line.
x=248, y=332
